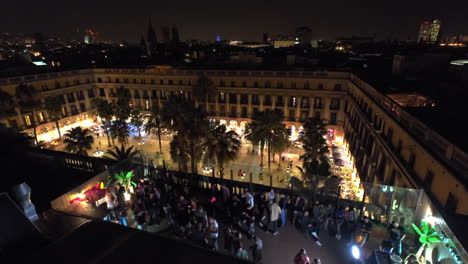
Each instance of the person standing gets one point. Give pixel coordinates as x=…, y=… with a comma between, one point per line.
x=121, y=204
x=283, y=203
x=249, y=200
x=257, y=250
x=298, y=207
x=301, y=257
x=249, y=215
x=339, y=221
x=397, y=234
x=271, y=195
x=275, y=212
x=213, y=232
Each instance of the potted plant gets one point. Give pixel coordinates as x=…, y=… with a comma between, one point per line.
x=427, y=235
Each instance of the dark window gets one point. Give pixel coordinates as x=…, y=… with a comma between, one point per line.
x=99, y=80
x=161, y=81
x=117, y=80
x=267, y=100
x=233, y=84
x=143, y=81
x=102, y=92
x=279, y=100
x=222, y=110
x=244, y=112
x=152, y=81
x=77, y=82
x=80, y=95
x=429, y=179
x=267, y=84
x=255, y=110
x=233, y=111
x=136, y=95
x=90, y=93
x=305, y=102
x=134, y=80
x=306, y=85
x=244, y=84
x=155, y=94
x=57, y=85
x=390, y=135
x=317, y=115
x=233, y=98
x=333, y=118
x=318, y=102
x=244, y=99
x=255, y=100
x=222, y=98
x=338, y=87
x=279, y=85
x=320, y=86
x=82, y=108
x=67, y=83
x=335, y=104
x=171, y=82
x=452, y=204
x=256, y=84
x=71, y=97
x=291, y=115
x=293, y=85
x=181, y=82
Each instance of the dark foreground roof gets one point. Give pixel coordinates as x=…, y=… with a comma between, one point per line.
x=104, y=242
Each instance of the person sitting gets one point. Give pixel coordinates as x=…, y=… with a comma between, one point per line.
x=301, y=257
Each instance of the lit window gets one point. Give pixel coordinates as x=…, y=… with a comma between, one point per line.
x=27, y=119
x=40, y=116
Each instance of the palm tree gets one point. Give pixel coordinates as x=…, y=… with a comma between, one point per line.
x=53, y=105
x=279, y=143
x=178, y=152
x=220, y=146
x=120, y=130
x=78, y=140
x=314, y=145
x=427, y=235
x=256, y=137
x=105, y=111
x=155, y=122
x=203, y=88
x=121, y=153
x=189, y=122
x=314, y=159
x=137, y=119
x=266, y=126
x=25, y=99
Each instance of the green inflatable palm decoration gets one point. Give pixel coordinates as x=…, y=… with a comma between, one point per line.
x=125, y=178
x=427, y=235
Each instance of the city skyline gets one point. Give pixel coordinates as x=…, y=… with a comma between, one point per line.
x=118, y=22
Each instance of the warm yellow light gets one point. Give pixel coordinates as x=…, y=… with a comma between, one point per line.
x=82, y=196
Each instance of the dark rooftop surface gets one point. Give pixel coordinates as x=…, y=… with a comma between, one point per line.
x=104, y=242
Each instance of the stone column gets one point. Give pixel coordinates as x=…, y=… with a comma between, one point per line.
x=298, y=108
x=239, y=108
x=260, y=98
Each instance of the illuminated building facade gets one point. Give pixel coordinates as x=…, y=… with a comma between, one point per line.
x=429, y=31
x=388, y=145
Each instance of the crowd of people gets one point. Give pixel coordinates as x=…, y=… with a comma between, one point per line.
x=193, y=214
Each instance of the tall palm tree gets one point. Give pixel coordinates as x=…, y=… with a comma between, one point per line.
x=105, y=111
x=25, y=100
x=265, y=126
x=78, y=140
x=121, y=153
x=179, y=153
x=220, y=146
x=120, y=130
x=256, y=137
x=53, y=105
x=189, y=122
x=155, y=123
x=315, y=160
x=137, y=119
x=203, y=88
x=279, y=143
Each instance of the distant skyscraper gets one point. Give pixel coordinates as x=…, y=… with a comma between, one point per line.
x=151, y=39
x=166, y=34
x=175, y=35
x=429, y=31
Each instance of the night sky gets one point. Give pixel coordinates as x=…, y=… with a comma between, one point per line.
x=242, y=19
